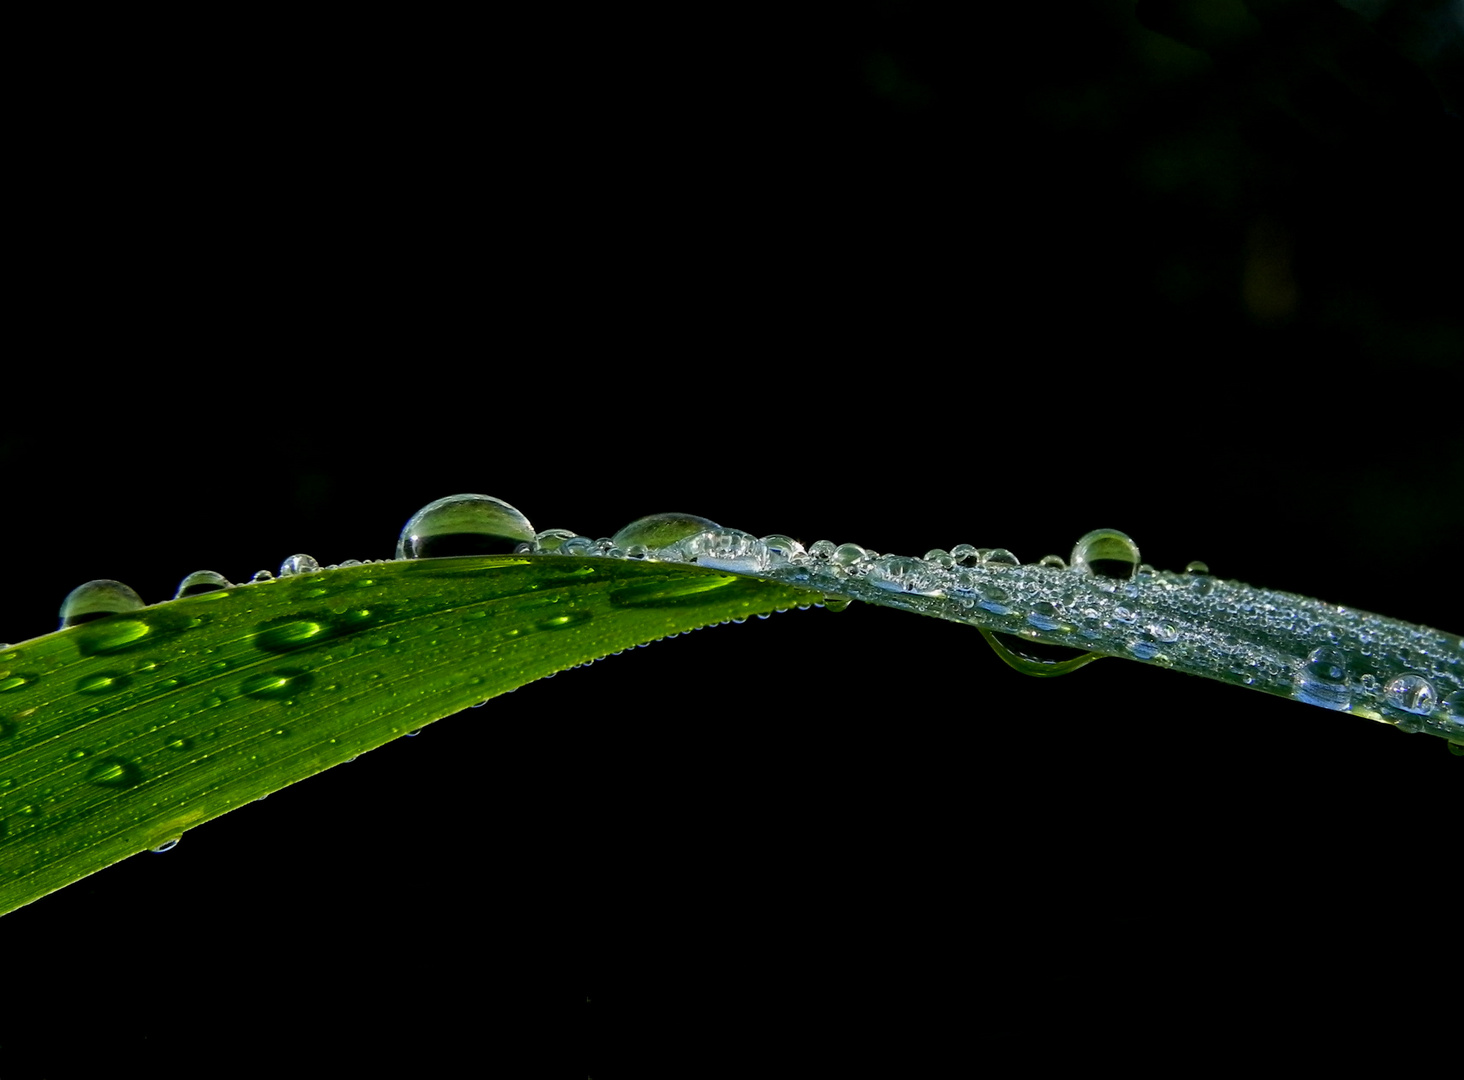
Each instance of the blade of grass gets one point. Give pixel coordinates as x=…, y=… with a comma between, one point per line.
x=118, y=735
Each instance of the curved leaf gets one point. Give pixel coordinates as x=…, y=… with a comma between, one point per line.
x=118, y=735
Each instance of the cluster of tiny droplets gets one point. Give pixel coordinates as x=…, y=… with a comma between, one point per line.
x=1306, y=649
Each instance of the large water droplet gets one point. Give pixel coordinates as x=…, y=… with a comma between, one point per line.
x=1322, y=680
x=96, y=600
x=1107, y=553
x=656, y=531
x=463, y=525
x=201, y=581
x=298, y=564
x=1411, y=693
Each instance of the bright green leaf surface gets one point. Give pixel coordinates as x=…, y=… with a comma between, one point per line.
x=119, y=735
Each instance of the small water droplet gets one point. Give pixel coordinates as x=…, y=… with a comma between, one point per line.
x=656, y=531
x=200, y=582
x=822, y=549
x=1412, y=693
x=1453, y=709
x=261, y=576
x=1000, y=557
x=965, y=555
x=1052, y=562
x=1106, y=553
x=463, y=525
x=298, y=564
x=849, y=556
x=783, y=547
x=115, y=772
x=107, y=682
x=1322, y=679
x=1196, y=567
x=276, y=684
x=166, y=845
x=96, y=600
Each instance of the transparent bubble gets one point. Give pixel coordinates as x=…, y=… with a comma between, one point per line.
x=463, y=525
x=96, y=600
x=1106, y=553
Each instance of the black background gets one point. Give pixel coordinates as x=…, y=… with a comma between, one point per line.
x=899, y=279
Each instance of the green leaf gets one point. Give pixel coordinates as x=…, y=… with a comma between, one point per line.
x=118, y=735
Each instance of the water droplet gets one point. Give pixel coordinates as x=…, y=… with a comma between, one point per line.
x=1052, y=562
x=965, y=555
x=463, y=525
x=115, y=772
x=728, y=549
x=166, y=845
x=1411, y=693
x=655, y=531
x=1322, y=679
x=849, y=556
x=1107, y=553
x=549, y=541
x=298, y=564
x=96, y=600
x=261, y=576
x=1000, y=557
x=103, y=683
x=1196, y=567
x=277, y=684
x=899, y=573
x=289, y=635
x=200, y=582
x=783, y=547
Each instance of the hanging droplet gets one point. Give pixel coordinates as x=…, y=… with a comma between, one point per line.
x=166, y=845
x=96, y=600
x=298, y=564
x=463, y=525
x=1322, y=680
x=201, y=581
x=1411, y=693
x=1106, y=553
x=656, y=531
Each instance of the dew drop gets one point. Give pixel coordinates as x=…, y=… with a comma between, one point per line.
x=965, y=555
x=199, y=582
x=655, y=531
x=1411, y=693
x=1322, y=680
x=783, y=547
x=115, y=772
x=298, y=564
x=1052, y=562
x=1106, y=553
x=1195, y=566
x=96, y=600
x=166, y=845
x=1000, y=557
x=276, y=684
x=463, y=525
